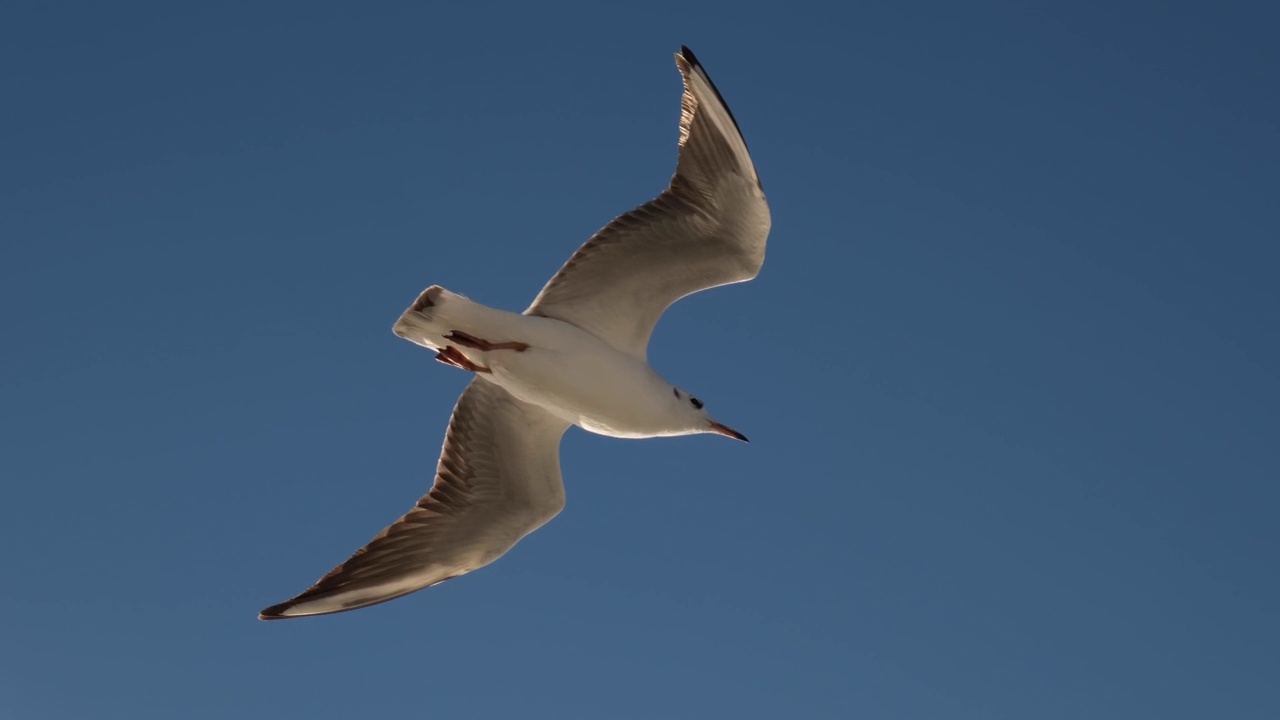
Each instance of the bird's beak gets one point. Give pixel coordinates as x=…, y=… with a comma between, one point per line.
x=727, y=431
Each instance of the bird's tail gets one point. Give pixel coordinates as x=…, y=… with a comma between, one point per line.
x=424, y=323
x=438, y=317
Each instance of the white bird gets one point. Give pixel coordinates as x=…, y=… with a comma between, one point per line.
x=577, y=356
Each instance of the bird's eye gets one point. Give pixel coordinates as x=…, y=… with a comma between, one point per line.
x=696, y=402
x=676, y=392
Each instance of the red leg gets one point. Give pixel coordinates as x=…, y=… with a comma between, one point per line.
x=471, y=341
x=442, y=357
x=452, y=356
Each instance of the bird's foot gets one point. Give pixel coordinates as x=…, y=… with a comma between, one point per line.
x=472, y=341
x=451, y=355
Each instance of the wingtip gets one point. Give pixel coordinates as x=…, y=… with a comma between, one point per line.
x=275, y=612
x=689, y=65
x=688, y=56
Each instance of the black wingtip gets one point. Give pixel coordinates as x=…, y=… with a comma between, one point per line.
x=688, y=56
x=692, y=59
x=275, y=612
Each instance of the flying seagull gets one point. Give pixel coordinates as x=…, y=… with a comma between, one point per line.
x=577, y=356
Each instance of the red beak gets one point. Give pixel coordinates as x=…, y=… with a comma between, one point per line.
x=727, y=431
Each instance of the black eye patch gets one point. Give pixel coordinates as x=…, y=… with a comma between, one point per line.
x=675, y=392
x=696, y=402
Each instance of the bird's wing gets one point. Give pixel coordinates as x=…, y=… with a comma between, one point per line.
x=498, y=480
x=708, y=228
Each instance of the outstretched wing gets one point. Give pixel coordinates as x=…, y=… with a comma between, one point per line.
x=708, y=228
x=498, y=480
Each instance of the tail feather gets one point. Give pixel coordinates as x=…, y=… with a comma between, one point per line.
x=419, y=323
x=441, y=320
x=427, y=299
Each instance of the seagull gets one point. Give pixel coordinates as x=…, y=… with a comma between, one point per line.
x=576, y=356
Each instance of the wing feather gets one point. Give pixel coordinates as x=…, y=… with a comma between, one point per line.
x=498, y=479
x=708, y=228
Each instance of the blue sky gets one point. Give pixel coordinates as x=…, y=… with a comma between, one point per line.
x=1010, y=371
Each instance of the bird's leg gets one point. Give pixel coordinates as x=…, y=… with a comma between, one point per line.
x=471, y=341
x=450, y=355
x=444, y=357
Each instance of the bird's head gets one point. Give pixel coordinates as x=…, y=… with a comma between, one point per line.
x=696, y=419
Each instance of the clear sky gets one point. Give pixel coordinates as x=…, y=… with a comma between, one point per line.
x=1011, y=371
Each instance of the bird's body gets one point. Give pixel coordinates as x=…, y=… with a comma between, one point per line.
x=565, y=370
x=576, y=356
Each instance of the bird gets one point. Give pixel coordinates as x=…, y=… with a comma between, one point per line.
x=577, y=356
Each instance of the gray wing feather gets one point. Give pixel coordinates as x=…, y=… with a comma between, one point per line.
x=498, y=479
x=708, y=228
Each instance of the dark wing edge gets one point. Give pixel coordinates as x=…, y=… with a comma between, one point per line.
x=482, y=502
x=713, y=212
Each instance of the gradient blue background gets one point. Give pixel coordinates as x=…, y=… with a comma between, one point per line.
x=1010, y=372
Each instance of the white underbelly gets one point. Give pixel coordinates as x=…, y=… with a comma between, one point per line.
x=587, y=383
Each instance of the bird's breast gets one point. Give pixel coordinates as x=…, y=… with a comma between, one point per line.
x=583, y=380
